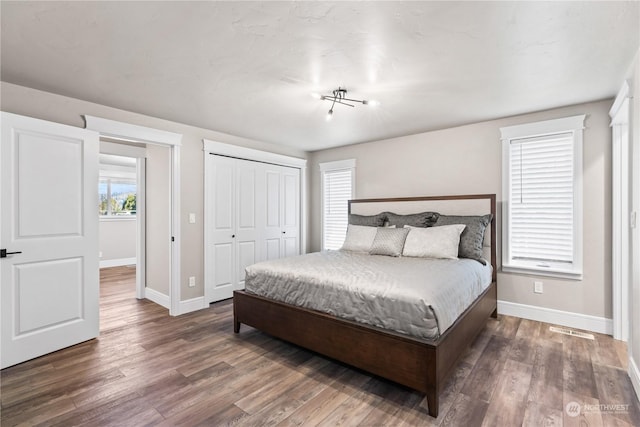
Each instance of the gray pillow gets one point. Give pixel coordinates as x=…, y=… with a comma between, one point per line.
x=389, y=241
x=368, y=220
x=472, y=238
x=422, y=219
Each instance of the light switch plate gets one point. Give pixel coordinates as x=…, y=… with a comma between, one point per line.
x=537, y=287
x=192, y=218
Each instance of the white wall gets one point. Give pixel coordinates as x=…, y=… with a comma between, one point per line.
x=48, y=106
x=117, y=239
x=467, y=160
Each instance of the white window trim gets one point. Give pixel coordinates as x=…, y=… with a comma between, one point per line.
x=348, y=164
x=573, y=124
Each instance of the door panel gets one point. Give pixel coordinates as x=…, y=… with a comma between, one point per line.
x=246, y=198
x=221, y=199
x=290, y=201
x=245, y=210
x=273, y=198
x=223, y=272
x=290, y=211
x=223, y=196
x=272, y=234
x=40, y=305
x=49, y=292
x=273, y=248
x=233, y=190
x=64, y=206
x=246, y=257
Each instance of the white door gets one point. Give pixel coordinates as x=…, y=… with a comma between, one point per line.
x=282, y=215
x=221, y=252
x=247, y=226
x=48, y=214
x=233, y=223
x=290, y=184
x=272, y=241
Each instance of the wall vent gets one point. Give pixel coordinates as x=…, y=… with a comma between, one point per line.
x=571, y=332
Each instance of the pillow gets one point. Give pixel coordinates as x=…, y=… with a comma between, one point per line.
x=433, y=242
x=422, y=219
x=389, y=241
x=472, y=238
x=368, y=220
x=359, y=238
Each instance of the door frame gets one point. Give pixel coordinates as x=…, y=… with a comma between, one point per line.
x=133, y=133
x=243, y=153
x=621, y=180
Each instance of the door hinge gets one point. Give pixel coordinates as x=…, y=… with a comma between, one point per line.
x=173, y=239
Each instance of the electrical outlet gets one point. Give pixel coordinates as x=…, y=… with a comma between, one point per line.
x=100, y=254
x=192, y=282
x=537, y=287
x=192, y=218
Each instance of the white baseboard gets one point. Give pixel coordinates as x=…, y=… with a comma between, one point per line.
x=564, y=318
x=634, y=374
x=117, y=262
x=157, y=297
x=193, y=304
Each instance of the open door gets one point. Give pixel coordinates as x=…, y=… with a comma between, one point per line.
x=49, y=237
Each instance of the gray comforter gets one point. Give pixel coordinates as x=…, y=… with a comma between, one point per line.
x=415, y=296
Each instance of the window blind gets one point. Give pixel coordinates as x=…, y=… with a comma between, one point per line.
x=542, y=199
x=337, y=191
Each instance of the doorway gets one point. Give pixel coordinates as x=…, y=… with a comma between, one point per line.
x=133, y=136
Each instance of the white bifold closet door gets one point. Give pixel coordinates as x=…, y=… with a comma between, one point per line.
x=253, y=215
x=282, y=215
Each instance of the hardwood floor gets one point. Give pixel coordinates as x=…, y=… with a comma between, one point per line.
x=148, y=368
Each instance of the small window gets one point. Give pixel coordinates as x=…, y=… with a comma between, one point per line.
x=117, y=187
x=338, y=187
x=542, y=191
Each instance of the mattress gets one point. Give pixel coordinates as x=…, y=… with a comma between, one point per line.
x=415, y=296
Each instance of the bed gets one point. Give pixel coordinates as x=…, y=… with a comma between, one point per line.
x=412, y=360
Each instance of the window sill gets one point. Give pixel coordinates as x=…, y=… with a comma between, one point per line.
x=117, y=218
x=547, y=272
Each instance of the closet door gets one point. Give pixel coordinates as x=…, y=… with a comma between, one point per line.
x=222, y=218
x=234, y=223
x=272, y=241
x=290, y=219
x=247, y=222
x=282, y=215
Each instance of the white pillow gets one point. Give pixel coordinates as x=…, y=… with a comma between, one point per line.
x=359, y=238
x=433, y=242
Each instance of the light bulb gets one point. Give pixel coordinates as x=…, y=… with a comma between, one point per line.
x=329, y=115
x=316, y=95
x=373, y=103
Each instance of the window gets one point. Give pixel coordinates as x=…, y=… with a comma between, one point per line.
x=117, y=186
x=338, y=179
x=542, y=191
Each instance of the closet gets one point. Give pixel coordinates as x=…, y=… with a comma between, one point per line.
x=252, y=214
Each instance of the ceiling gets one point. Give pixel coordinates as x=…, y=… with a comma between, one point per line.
x=248, y=68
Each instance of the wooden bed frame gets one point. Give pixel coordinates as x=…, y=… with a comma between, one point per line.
x=420, y=364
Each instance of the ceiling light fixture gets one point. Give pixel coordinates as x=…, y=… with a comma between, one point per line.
x=340, y=97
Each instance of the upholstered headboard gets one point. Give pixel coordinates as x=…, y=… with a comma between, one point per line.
x=475, y=204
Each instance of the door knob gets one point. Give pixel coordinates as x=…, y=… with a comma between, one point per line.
x=233, y=236
x=4, y=253
x=284, y=232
